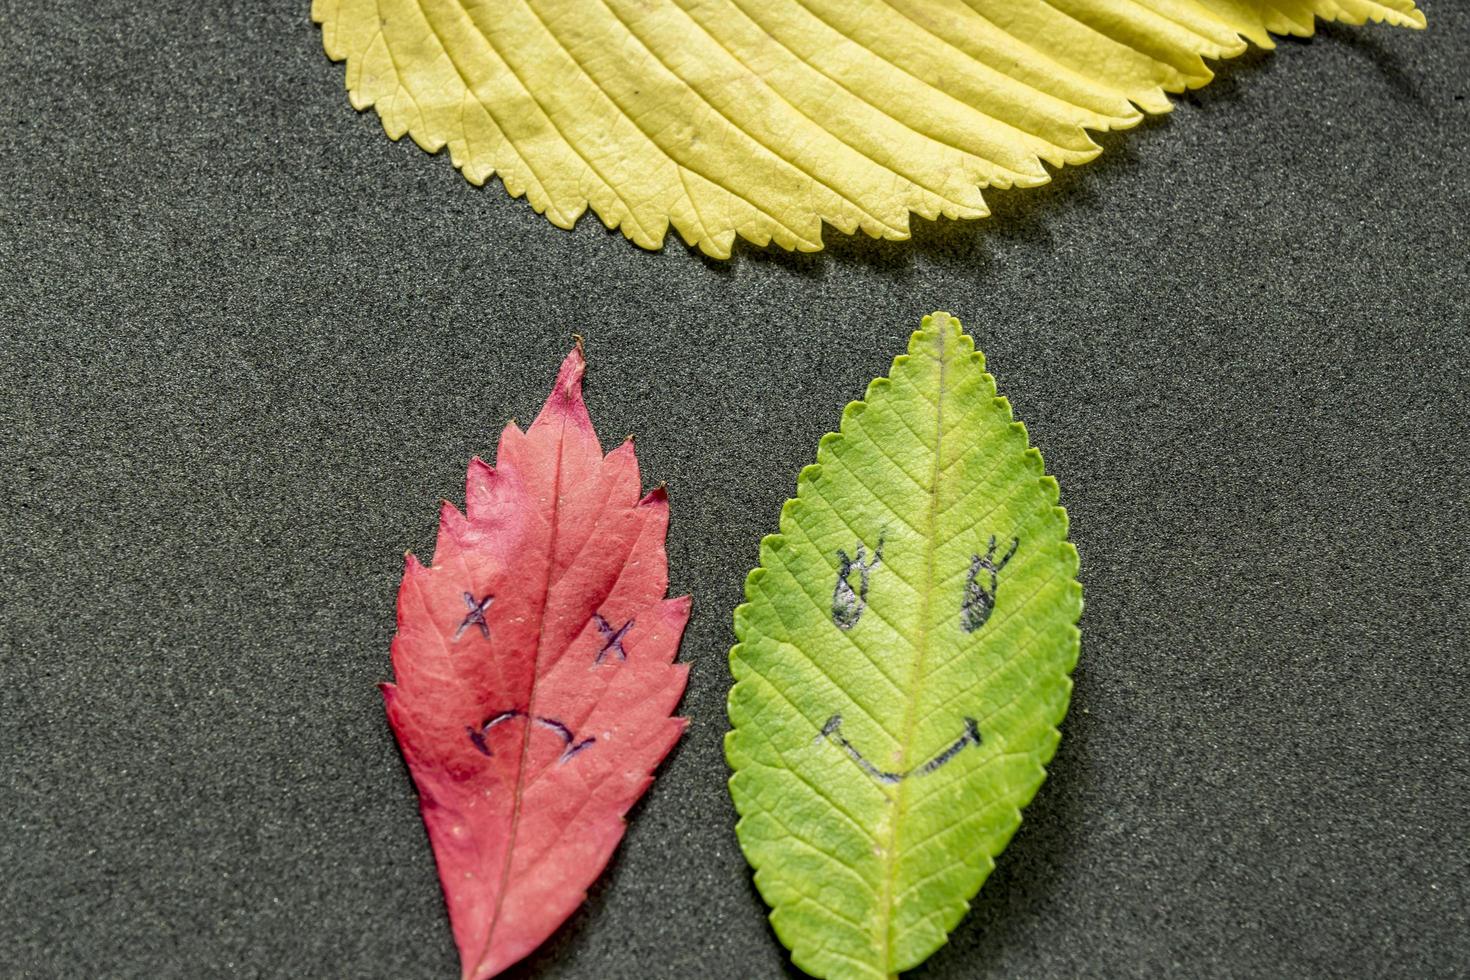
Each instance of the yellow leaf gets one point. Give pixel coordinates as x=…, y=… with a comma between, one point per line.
x=764, y=118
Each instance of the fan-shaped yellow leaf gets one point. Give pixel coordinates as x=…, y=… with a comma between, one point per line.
x=765, y=118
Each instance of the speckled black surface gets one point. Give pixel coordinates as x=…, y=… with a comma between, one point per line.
x=249, y=343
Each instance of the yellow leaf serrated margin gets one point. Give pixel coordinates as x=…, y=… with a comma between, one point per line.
x=765, y=118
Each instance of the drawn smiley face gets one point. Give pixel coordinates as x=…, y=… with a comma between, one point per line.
x=976, y=606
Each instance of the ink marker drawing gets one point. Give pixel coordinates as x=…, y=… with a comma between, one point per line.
x=848, y=603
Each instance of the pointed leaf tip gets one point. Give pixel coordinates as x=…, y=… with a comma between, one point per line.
x=564, y=403
x=569, y=377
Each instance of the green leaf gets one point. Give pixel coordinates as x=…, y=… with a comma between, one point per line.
x=765, y=118
x=903, y=663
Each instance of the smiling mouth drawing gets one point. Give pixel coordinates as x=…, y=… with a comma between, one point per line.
x=832, y=731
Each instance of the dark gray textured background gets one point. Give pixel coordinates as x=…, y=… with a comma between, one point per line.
x=248, y=343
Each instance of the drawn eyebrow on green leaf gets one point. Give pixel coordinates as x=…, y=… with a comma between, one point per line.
x=881, y=764
x=765, y=118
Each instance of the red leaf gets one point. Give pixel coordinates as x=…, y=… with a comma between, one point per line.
x=534, y=676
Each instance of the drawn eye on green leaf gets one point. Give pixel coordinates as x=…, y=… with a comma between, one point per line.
x=765, y=118
x=850, y=594
x=879, y=770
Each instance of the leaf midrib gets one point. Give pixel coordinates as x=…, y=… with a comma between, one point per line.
x=921, y=647
x=515, y=812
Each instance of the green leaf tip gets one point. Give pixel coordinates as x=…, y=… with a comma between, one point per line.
x=903, y=659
